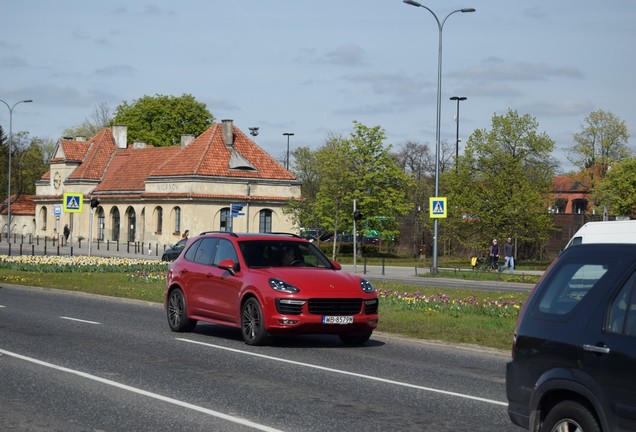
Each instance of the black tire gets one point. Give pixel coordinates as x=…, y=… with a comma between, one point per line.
x=355, y=339
x=177, y=314
x=569, y=416
x=165, y=258
x=252, y=326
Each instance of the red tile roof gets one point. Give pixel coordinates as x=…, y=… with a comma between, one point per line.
x=20, y=205
x=128, y=169
x=101, y=149
x=208, y=155
x=73, y=150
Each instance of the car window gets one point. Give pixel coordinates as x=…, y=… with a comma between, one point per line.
x=192, y=250
x=205, y=251
x=282, y=253
x=225, y=250
x=622, y=315
x=570, y=285
x=180, y=244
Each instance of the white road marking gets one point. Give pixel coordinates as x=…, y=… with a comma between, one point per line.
x=79, y=320
x=369, y=377
x=182, y=404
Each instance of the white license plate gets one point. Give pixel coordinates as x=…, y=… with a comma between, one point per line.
x=337, y=319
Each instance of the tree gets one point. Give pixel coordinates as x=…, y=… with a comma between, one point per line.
x=98, y=119
x=617, y=191
x=601, y=144
x=360, y=168
x=28, y=163
x=161, y=120
x=503, y=183
x=418, y=163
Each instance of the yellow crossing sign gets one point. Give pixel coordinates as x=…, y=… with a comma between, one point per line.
x=437, y=207
x=73, y=202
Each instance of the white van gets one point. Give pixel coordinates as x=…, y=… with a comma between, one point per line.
x=623, y=231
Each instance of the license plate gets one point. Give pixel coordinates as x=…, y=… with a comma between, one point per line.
x=337, y=319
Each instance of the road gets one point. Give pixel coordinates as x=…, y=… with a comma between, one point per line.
x=77, y=362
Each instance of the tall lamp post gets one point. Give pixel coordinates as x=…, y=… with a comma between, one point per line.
x=288, y=134
x=9, y=170
x=457, y=98
x=440, y=26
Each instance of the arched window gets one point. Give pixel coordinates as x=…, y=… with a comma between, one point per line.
x=177, y=219
x=101, y=224
x=159, y=213
x=116, y=223
x=132, y=224
x=560, y=205
x=265, y=221
x=43, y=218
x=226, y=220
x=579, y=206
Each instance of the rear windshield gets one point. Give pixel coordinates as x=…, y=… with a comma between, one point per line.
x=572, y=282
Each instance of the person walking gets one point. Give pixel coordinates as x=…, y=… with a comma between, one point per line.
x=509, y=260
x=67, y=232
x=493, y=253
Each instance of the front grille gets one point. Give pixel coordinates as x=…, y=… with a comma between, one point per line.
x=335, y=306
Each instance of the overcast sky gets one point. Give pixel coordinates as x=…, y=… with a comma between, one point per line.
x=312, y=68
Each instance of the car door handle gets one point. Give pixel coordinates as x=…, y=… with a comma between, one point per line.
x=596, y=349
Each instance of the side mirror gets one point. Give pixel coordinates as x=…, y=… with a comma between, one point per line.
x=336, y=265
x=229, y=265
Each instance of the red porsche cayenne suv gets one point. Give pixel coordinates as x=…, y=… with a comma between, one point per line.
x=267, y=284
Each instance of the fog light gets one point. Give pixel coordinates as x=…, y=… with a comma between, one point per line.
x=287, y=322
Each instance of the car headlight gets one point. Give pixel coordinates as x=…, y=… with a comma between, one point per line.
x=366, y=286
x=282, y=286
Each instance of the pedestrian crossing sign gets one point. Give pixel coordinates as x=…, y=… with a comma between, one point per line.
x=437, y=207
x=73, y=202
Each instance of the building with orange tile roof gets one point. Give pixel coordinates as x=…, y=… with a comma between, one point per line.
x=152, y=194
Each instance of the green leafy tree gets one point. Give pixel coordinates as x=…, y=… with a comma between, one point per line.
x=161, y=120
x=502, y=185
x=360, y=168
x=617, y=191
x=305, y=167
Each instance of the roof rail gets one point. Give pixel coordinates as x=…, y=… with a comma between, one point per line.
x=219, y=232
x=285, y=234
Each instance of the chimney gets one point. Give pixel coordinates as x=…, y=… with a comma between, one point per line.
x=80, y=138
x=228, y=133
x=120, y=135
x=186, y=139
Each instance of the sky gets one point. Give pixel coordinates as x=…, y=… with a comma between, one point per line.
x=313, y=68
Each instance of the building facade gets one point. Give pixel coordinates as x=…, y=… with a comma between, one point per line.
x=152, y=195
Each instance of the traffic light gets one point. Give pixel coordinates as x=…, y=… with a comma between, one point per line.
x=357, y=216
x=94, y=202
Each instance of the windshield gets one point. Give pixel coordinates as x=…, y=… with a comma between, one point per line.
x=282, y=253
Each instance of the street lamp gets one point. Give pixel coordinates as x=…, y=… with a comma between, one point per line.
x=440, y=26
x=288, y=134
x=457, y=98
x=9, y=170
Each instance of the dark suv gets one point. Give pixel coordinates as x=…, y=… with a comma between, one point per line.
x=573, y=365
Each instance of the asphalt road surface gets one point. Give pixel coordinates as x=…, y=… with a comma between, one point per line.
x=77, y=362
